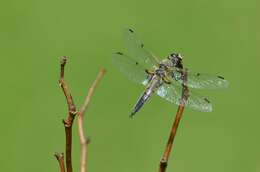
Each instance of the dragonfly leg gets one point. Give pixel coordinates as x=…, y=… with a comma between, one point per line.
x=149, y=72
x=166, y=80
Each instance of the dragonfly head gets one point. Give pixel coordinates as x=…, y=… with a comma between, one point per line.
x=176, y=60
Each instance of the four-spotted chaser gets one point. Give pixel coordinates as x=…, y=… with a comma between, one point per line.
x=165, y=77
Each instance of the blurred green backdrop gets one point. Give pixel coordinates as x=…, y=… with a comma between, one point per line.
x=214, y=37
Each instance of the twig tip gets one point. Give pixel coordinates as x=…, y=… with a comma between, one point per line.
x=103, y=70
x=58, y=155
x=63, y=60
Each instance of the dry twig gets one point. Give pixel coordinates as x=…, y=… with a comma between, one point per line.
x=83, y=140
x=60, y=158
x=69, y=121
x=71, y=115
x=167, y=151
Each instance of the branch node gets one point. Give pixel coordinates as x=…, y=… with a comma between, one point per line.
x=88, y=140
x=60, y=159
x=73, y=111
x=59, y=155
x=163, y=163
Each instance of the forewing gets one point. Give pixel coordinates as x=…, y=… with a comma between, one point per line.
x=173, y=93
x=137, y=51
x=202, y=80
x=130, y=68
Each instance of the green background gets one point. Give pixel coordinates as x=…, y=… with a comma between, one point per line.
x=213, y=36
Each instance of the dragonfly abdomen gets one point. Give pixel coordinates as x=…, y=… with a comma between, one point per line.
x=145, y=96
x=151, y=88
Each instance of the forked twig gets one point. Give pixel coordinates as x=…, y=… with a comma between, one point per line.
x=167, y=151
x=68, y=122
x=83, y=139
x=60, y=158
x=71, y=115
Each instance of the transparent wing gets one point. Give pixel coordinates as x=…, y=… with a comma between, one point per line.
x=137, y=51
x=173, y=93
x=132, y=69
x=201, y=80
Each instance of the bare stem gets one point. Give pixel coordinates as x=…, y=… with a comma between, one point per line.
x=169, y=146
x=68, y=122
x=60, y=158
x=71, y=114
x=83, y=140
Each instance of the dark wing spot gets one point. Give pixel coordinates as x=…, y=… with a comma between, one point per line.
x=131, y=30
x=119, y=53
x=142, y=45
x=221, y=77
x=207, y=100
x=198, y=74
x=136, y=63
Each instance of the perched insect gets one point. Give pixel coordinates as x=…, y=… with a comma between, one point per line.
x=165, y=77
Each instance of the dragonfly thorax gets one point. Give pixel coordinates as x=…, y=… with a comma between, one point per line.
x=161, y=71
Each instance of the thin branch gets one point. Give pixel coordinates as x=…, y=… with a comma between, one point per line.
x=60, y=158
x=169, y=146
x=71, y=115
x=66, y=91
x=83, y=140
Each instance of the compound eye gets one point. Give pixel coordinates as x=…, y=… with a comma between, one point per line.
x=174, y=55
x=179, y=56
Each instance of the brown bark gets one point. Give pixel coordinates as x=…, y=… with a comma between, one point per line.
x=169, y=146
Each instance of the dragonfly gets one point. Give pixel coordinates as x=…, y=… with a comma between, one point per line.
x=163, y=77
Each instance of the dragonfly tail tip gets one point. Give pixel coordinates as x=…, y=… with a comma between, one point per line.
x=132, y=115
